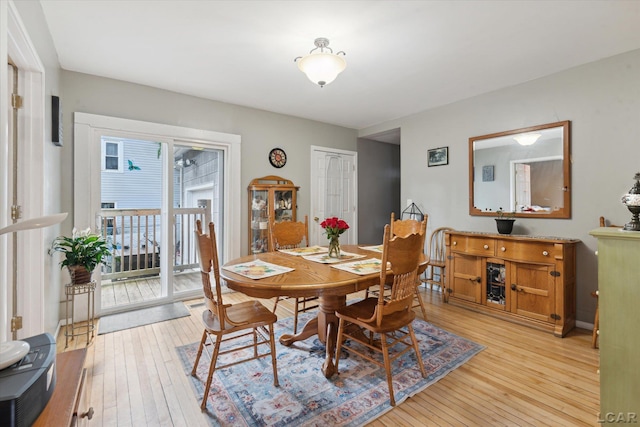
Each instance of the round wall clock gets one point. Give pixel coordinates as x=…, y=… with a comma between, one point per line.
x=277, y=157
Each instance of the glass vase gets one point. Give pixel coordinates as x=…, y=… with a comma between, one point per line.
x=334, y=247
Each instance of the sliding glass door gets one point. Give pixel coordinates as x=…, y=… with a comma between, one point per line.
x=143, y=186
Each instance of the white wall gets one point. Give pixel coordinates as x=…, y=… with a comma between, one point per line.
x=602, y=100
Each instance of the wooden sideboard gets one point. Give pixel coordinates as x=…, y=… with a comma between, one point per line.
x=523, y=279
x=68, y=405
x=619, y=311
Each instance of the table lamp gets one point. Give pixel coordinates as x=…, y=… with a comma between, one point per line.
x=13, y=351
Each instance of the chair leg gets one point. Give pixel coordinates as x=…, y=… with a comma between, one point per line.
x=422, y=307
x=195, y=364
x=255, y=342
x=416, y=348
x=274, y=362
x=387, y=368
x=444, y=293
x=295, y=316
x=212, y=368
x=339, y=342
x=275, y=305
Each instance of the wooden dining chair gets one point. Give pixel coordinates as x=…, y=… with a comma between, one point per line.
x=225, y=323
x=291, y=235
x=405, y=227
x=382, y=317
x=435, y=274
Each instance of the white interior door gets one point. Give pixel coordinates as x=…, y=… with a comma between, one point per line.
x=333, y=192
x=523, y=187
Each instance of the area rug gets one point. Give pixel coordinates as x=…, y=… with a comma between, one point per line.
x=244, y=395
x=145, y=316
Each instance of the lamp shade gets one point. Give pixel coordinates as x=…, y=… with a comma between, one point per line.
x=33, y=223
x=527, y=138
x=322, y=68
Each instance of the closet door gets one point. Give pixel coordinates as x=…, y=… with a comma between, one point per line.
x=333, y=192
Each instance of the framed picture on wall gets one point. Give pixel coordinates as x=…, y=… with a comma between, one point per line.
x=487, y=173
x=438, y=156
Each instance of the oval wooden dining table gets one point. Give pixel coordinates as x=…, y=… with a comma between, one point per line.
x=308, y=278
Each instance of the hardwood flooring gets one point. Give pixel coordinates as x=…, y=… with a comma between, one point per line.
x=524, y=377
x=124, y=292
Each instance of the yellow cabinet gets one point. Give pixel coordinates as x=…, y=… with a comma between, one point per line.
x=619, y=310
x=270, y=198
x=528, y=280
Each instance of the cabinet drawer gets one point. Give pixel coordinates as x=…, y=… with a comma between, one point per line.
x=82, y=412
x=528, y=252
x=473, y=245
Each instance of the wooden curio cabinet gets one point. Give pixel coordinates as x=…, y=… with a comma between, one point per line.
x=270, y=198
x=525, y=279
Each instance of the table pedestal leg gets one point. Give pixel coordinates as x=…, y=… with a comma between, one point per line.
x=325, y=325
x=309, y=329
x=329, y=366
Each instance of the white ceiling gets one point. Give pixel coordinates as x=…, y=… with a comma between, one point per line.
x=403, y=57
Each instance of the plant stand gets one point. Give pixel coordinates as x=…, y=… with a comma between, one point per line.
x=71, y=290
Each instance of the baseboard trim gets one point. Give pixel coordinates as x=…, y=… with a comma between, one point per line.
x=584, y=325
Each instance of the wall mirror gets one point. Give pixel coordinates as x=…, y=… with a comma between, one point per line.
x=526, y=171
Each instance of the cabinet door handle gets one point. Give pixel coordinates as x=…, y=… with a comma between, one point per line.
x=478, y=279
x=503, y=249
x=88, y=414
x=515, y=287
x=486, y=246
x=545, y=253
x=455, y=243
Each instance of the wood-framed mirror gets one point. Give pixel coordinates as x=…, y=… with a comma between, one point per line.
x=526, y=171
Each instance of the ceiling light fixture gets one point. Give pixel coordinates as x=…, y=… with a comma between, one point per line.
x=527, y=138
x=322, y=67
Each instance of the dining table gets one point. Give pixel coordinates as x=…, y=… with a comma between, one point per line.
x=305, y=277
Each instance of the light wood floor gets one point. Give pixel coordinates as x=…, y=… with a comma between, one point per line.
x=125, y=292
x=524, y=377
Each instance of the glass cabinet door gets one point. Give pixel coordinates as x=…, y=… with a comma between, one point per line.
x=283, y=206
x=496, y=289
x=271, y=198
x=259, y=232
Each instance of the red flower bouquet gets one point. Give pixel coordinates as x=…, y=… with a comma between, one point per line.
x=334, y=227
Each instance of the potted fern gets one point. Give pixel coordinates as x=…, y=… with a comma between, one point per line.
x=505, y=221
x=83, y=252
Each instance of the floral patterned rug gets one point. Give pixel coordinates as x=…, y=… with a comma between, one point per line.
x=244, y=395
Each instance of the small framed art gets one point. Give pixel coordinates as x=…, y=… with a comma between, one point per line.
x=438, y=156
x=487, y=173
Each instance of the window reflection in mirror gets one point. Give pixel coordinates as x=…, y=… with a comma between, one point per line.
x=526, y=171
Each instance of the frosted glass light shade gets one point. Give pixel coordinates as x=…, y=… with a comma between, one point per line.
x=527, y=138
x=31, y=224
x=322, y=68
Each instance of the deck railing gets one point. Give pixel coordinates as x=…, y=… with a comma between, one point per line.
x=135, y=236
